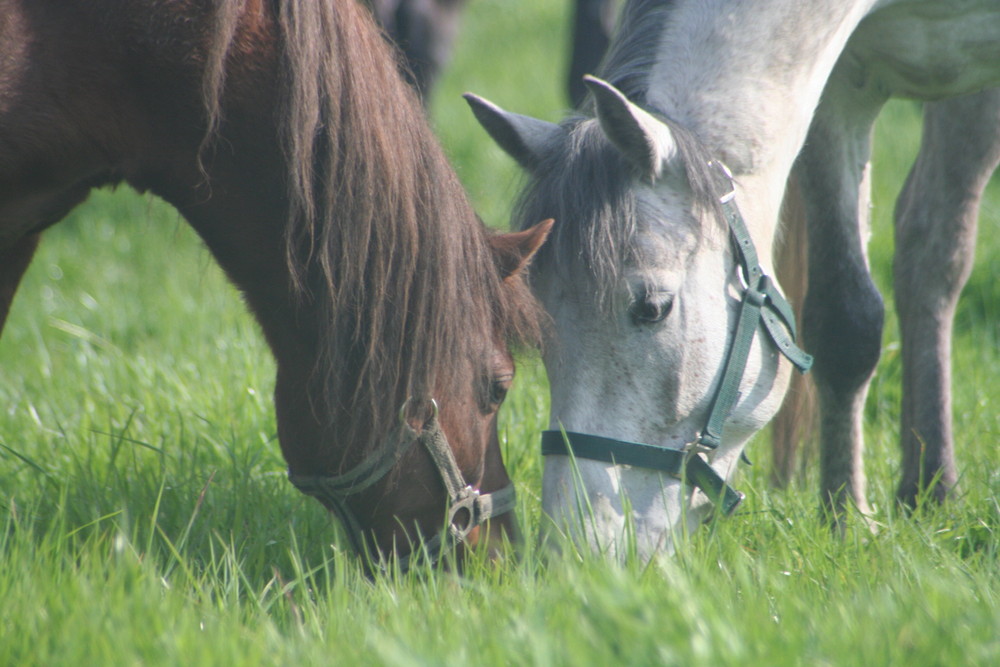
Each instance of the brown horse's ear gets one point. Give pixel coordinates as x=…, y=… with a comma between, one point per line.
x=513, y=251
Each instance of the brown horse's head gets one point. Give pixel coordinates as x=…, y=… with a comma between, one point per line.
x=403, y=472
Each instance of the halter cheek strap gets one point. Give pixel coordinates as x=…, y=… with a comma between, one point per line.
x=761, y=303
x=467, y=507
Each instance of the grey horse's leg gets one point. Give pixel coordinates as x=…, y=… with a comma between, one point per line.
x=843, y=312
x=935, y=241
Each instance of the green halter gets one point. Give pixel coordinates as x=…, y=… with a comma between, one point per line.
x=761, y=303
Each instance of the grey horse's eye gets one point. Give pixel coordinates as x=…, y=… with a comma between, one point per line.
x=650, y=307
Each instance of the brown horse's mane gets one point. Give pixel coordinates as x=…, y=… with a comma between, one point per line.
x=380, y=236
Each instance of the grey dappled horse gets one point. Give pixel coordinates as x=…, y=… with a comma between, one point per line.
x=656, y=278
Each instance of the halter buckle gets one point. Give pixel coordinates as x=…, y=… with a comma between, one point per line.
x=702, y=444
x=691, y=449
x=463, y=515
x=729, y=196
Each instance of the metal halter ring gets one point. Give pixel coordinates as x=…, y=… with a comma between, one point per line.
x=697, y=446
x=406, y=403
x=462, y=513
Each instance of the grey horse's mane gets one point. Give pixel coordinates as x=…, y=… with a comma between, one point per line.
x=585, y=183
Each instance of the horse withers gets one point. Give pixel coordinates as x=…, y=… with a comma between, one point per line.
x=671, y=344
x=284, y=134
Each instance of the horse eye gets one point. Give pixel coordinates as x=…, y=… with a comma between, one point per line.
x=651, y=307
x=499, y=386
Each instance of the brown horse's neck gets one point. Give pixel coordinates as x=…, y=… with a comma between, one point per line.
x=367, y=269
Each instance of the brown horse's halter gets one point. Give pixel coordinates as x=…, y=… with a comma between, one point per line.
x=467, y=507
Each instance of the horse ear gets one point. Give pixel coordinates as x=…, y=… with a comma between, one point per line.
x=513, y=251
x=524, y=138
x=646, y=141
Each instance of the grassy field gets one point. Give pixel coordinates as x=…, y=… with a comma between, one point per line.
x=146, y=518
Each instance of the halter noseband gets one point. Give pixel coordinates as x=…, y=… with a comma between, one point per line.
x=467, y=507
x=761, y=302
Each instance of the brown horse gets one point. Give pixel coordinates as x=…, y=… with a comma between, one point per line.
x=284, y=134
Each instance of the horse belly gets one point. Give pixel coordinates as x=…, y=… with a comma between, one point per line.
x=931, y=50
x=28, y=213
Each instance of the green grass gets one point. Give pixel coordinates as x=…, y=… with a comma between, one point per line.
x=146, y=519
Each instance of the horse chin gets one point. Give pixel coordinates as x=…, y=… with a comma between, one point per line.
x=616, y=511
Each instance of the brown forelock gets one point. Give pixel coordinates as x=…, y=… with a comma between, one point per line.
x=381, y=239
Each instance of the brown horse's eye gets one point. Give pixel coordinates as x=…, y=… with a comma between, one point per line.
x=499, y=386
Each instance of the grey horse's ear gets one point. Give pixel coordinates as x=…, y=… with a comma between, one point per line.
x=524, y=138
x=645, y=141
